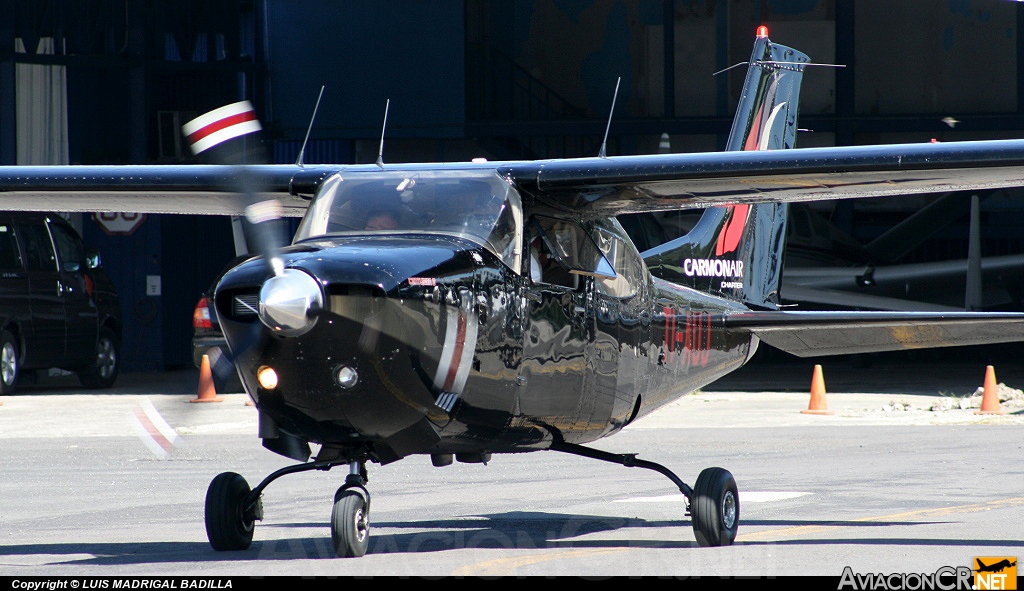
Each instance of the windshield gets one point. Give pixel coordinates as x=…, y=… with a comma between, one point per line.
x=477, y=205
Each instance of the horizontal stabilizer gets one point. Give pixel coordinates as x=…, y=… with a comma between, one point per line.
x=812, y=334
x=851, y=300
x=940, y=271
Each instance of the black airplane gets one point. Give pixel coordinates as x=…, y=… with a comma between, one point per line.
x=462, y=310
x=995, y=567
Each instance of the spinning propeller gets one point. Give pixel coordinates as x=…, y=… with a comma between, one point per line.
x=290, y=298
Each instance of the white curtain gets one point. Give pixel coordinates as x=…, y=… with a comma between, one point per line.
x=41, y=109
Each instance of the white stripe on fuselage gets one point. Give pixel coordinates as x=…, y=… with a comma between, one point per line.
x=458, y=349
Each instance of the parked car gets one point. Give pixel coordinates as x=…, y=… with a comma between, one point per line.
x=58, y=307
x=208, y=339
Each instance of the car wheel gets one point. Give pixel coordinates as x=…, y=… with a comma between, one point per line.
x=107, y=364
x=9, y=363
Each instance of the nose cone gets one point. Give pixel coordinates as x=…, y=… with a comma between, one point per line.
x=287, y=301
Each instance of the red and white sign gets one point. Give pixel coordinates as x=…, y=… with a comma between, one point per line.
x=119, y=223
x=219, y=125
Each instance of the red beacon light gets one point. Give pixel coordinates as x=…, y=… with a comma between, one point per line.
x=762, y=31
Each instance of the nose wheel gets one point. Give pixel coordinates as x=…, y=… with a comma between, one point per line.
x=350, y=521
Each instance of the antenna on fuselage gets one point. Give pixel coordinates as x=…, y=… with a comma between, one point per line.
x=604, y=142
x=302, y=150
x=380, y=153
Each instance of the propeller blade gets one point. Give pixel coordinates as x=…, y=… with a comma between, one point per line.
x=223, y=137
x=219, y=138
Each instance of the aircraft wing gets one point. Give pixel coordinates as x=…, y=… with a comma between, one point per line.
x=184, y=189
x=634, y=184
x=810, y=334
x=597, y=186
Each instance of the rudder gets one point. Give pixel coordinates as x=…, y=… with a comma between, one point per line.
x=736, y=251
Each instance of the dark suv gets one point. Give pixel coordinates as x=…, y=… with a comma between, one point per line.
x=58, y=308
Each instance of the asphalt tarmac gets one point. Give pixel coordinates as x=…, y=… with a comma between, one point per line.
x=112, y=484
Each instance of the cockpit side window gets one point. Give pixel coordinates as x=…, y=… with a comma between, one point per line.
x=629, y=267
x=561, y=250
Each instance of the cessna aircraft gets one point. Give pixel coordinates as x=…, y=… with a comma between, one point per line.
x=462, y=310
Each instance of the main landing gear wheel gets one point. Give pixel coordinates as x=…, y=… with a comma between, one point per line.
x=227, y=526
x=350, y=522
x=715, y=508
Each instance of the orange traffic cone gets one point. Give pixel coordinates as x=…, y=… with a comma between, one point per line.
x=818, y=406
x=990, y=394
x=207, y=391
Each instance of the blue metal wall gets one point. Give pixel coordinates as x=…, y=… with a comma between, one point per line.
x=186, y=253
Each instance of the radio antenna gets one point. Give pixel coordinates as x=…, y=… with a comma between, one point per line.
x=302, y=150
x=604, y=143
x=380, y=153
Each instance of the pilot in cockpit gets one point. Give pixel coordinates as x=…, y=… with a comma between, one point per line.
x=382, y=219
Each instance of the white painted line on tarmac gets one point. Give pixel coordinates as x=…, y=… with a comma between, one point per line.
x=752, y=496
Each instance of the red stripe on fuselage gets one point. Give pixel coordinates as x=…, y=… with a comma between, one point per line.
x=460, y=342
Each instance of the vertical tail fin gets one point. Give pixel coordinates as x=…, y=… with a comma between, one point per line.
x=736, y=251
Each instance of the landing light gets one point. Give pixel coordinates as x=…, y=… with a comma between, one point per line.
x=346, y=376
x=267, y=377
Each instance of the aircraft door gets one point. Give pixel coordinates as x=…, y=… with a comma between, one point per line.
x=620, y=356
x=556, y=334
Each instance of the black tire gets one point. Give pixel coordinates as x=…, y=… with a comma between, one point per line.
x=10, y=363
x=715, y=508
x=350, y=524
x=226, y=525
x=106, y=364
